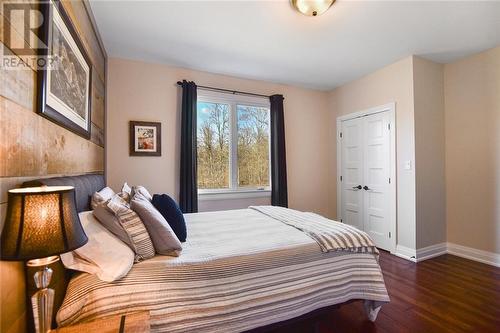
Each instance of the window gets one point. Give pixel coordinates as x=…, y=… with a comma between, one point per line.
x=233, y=143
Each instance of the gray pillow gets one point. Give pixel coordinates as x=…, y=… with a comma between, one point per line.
x=141, y=190
x=134, y=227
x=164, y=239
x=111, y=222
x=101, y=197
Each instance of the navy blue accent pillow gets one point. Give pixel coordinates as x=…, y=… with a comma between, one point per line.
x=172, y=213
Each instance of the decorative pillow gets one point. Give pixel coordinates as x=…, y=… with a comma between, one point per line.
x=164, y=239
x=172, y=213
x=126, y=188
x=112, y=223
x=131, y=222
x=141, y=190
x=103, y=255
x=101, y=197
x=126, y=192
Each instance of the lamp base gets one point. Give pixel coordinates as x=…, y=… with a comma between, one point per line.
x=43, y=300
x=43, y=303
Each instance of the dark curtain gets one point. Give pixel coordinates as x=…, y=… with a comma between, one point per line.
x=188, y=196
x=279, y=191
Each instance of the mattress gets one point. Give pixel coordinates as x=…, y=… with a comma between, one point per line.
x=238, y=270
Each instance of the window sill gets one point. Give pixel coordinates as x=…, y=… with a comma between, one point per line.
x=232, y=194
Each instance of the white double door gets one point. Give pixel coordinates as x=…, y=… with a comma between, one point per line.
x=366, y=188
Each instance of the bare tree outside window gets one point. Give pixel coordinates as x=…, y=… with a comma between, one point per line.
x=253, y=146
x=213, y=145
x=247, y=156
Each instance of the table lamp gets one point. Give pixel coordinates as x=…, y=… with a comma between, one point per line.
x=41, y=223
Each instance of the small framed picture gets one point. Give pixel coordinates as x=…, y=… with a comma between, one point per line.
x=145, y=138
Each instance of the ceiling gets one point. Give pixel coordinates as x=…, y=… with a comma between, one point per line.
x=268, y=40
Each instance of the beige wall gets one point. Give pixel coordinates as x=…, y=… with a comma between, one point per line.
x=429, y=152
x=462, y=98
x=33, y=147
x=472, y=118
x=448, y=125
x=393, y=83
x=145, y=91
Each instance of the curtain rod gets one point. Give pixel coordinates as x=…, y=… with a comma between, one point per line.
x=234, y=92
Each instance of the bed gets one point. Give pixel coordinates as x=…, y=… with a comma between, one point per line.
x=239, y=270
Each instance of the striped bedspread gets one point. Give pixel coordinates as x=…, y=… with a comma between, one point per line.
x=330, y=235
x=238, y=270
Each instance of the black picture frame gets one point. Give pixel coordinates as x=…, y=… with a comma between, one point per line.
x=155, y=127
x=45, y=34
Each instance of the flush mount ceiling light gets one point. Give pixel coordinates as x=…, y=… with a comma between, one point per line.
x=312, y=7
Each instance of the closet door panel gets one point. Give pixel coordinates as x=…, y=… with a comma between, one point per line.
x=352, y=172
x=376, y=173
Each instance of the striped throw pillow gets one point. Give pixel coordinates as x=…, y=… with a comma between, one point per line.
x=132, y=224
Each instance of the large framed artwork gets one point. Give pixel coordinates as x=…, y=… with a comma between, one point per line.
x=145, y=138
x=64, y=85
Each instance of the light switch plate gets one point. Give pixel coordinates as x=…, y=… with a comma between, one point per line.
x=407, y=165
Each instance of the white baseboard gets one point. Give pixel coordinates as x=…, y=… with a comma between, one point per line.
x=405, y=253
x=485, y=257
x=431, y=251
x=435, y=250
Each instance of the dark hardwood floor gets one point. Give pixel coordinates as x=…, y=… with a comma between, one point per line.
x=443, y=294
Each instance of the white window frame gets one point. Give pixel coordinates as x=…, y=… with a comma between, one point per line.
x=234, y=191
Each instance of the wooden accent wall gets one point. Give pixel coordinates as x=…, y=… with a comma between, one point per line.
x=34, y=147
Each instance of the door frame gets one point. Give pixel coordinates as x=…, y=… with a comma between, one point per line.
x=391, y=109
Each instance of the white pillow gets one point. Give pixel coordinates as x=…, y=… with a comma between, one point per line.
x=104, y=254
x=101, y=197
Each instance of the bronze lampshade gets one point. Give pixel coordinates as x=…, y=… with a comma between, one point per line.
x=41, y=222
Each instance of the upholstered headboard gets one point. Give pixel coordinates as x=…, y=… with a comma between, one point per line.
x=85, y=186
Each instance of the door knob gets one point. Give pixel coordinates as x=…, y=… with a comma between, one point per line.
x=366, y=188
x=357, y=187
